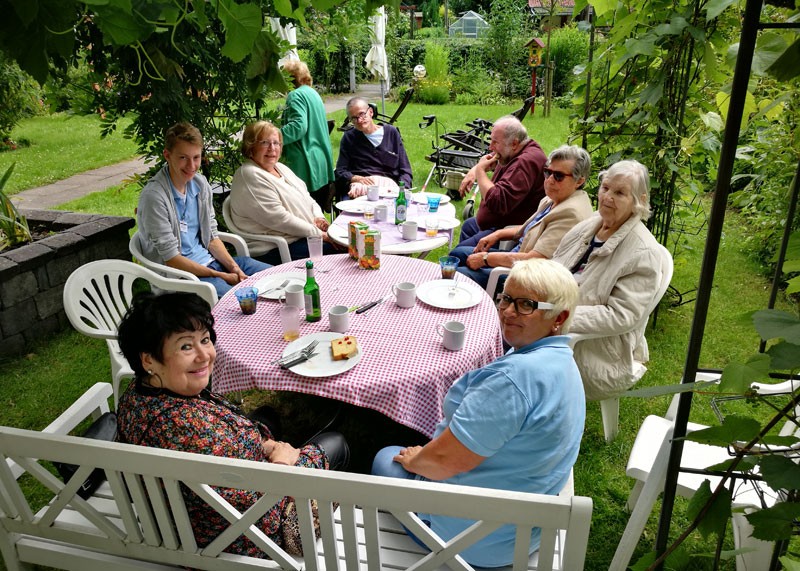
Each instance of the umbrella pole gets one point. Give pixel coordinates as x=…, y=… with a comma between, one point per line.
x=383, y=96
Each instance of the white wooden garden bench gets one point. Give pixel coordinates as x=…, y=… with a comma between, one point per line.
x=138, y=520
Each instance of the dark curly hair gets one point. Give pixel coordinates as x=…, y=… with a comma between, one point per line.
x=152, y=318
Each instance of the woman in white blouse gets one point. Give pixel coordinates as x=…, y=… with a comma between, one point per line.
x=268, y=198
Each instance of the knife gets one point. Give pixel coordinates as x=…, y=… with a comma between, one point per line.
x=370, y=305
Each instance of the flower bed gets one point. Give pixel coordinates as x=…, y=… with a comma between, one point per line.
x=32, y=277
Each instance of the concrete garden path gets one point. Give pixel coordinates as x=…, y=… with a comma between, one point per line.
x=97, y=180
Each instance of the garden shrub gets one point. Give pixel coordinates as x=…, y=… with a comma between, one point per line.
x=569, y=47
x=20, y=96
x=434, y=88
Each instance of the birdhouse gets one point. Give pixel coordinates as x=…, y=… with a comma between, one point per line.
x=535, y=51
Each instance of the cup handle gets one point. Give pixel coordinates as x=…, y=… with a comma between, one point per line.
x=440, y=331
x=282, y=299
x=394, y=291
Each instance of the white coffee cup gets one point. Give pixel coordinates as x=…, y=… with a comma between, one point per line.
x=339, y=318
x=381, y=213
x=452, y=334
x=373, y=193
x=405, y=294
x=409, y=229
x=293, y=295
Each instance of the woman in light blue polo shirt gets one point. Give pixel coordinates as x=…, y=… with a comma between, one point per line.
x=515, y=424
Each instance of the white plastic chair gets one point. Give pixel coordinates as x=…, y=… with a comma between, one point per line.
x=98, y=294
x=609, y=408
x=279, y=241
x=135, y=248
x=647, y=464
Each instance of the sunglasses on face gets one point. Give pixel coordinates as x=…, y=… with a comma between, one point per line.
x=558, y=175
x=522, y=305
x=268, y=143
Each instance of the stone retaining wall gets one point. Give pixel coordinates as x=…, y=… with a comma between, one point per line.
x=32, y=277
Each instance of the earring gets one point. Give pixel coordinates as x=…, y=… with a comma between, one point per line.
x=149, y=371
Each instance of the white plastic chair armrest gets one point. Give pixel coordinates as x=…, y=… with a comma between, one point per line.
x=237, y=242
x=494, y=277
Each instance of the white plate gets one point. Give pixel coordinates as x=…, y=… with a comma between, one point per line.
x=269, y=282
x=321, y=364
x=353, y=206
x=388, y=193
x=423, y=197
x=440, y=293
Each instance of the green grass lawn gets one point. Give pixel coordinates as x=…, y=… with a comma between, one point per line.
x=34, y=388
x=62, y=145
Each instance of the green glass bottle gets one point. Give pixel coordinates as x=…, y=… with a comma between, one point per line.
x=401, y=205
x=311, y=294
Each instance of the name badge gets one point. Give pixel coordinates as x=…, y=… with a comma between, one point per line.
x=184, y=227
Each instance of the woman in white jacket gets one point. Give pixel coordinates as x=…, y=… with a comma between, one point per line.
x=616, y=262
x=268, y=198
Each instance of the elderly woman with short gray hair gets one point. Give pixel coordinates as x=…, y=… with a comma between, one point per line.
x=616, y=263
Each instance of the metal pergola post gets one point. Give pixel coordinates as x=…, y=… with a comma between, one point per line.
x=741, y=76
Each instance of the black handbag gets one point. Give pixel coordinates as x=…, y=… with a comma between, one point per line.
x=104, y=428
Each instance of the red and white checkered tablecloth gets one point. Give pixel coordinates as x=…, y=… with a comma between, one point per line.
x=404, y=370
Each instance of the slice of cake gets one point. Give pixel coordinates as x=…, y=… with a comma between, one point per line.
x=344, y=347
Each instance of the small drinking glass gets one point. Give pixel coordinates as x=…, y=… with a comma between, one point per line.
x=431, y=227
x=290, y=322
x=433, y=203
x=369, y=212
x=448, y=265
x=314, y=248
x=247, y=297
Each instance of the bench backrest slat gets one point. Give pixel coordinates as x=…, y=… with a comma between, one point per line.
x=156, y=524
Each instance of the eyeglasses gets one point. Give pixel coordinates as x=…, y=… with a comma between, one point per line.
x=558, y=175
x=522, y=305
x=268, y=143
x=358, y=117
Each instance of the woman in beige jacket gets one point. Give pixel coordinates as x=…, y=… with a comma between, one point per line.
x=268, y=198
x=617, y=264
x=563, y=206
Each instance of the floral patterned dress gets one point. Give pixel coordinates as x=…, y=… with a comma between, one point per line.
x=204, y=425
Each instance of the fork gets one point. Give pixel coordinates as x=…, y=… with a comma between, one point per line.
x=305, y=352
x=283, y=285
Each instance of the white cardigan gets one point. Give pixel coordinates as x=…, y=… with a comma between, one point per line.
x=262, y=203
x=616, y=288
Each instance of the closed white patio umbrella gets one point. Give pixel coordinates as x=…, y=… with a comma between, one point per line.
x=376, y=60
x=288, y=33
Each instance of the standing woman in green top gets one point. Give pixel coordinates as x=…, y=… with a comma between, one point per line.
x=306, y=142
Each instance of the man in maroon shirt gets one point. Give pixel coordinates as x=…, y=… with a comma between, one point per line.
x=517, y=184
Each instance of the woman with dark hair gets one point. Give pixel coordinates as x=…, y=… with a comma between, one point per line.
x=168, y=340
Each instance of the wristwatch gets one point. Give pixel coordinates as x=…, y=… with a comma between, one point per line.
x=486, y=259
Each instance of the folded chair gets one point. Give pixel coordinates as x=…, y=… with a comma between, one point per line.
x=135, y=248
x=279, y=241
x=98, y=294
x=647, y=464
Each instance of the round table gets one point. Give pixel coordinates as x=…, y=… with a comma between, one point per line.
x=392, y=241
x=404, y=371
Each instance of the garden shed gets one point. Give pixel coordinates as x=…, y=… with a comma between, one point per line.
x=469, y=25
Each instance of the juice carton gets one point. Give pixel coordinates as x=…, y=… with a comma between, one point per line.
x=353, y=229
x=369, y=249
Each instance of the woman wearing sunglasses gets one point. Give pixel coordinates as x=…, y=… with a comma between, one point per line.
x=514, y=424
x=616, y=262
x=564, y=205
